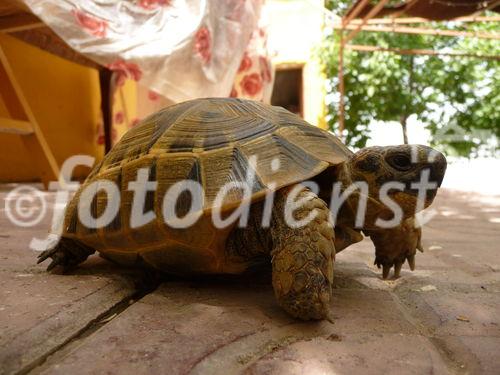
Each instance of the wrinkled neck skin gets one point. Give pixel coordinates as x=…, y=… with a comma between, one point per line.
x=348, y=211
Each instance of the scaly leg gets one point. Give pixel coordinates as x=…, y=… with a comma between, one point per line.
x=68, y=253
x=302, y=258
x=395, y=245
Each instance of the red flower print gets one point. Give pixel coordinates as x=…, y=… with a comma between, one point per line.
x=90, y=24
x=251, y=84
x=119, y=117
x=100, y=139
x=125, y=70
x=234, y=93
x=100, y=134
x=153, y=95
x=134, y=122
x=152, y=4
x=265, y=69
x=203, y=44
x=246, y=63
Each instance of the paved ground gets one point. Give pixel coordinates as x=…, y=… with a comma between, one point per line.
x=443, y=318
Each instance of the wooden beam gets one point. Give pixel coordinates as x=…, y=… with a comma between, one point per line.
x=8, y=125
x=106, y=79
x=47, y=40
x=422, y=31
x=18, y=108
x=341, y=86
x=19, y=22
x=406, y=20
x=492, y=5
x=353, y=12
x=364, y=48
x=372, y=13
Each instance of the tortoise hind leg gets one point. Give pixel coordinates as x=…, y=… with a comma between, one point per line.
x=68, y=253
x=302, y=258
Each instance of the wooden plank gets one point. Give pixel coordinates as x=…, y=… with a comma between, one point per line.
x=19, y=22
x=421, y=31
x=8, y=125
x=363, y=48
x=47, y=40
x=19, y=108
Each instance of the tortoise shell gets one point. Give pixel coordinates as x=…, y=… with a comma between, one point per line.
x=211, y=141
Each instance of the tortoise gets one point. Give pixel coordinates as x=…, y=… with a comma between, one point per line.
x=216, y=142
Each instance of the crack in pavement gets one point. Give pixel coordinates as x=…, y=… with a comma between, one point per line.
x=58, y=351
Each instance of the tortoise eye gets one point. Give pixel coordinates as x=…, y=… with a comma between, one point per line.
x=401, y=162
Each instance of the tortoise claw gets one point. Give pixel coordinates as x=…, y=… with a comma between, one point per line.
x=58, y=259
x=411, y=262
x=385, y=271
x=420, y=247
x=44, y=255
x=397, y=269
x=52, y=265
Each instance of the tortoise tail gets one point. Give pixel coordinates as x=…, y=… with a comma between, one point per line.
x=67, y=253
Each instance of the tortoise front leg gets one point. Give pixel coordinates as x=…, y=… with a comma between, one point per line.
x=302, y=258
x=395, y=245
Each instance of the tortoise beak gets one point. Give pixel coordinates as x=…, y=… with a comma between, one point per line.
x=437, y=166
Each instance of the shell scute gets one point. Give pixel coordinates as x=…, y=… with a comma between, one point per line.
x=212, y=142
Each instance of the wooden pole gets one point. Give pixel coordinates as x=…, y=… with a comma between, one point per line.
x=107, y=87
x=354, y=12
x=362, y=48
x=341, y=86
x=416, y=30
x=406, y=20
x=372, y=13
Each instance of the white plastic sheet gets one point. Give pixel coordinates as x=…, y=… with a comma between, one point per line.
x=181, y=49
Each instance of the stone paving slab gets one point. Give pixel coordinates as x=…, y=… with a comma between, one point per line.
x=443, y=318
x=40, y=311
x=354, y=354
x=213, y=327
x=452, y=313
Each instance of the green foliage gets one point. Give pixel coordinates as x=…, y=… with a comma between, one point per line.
x=456, y=98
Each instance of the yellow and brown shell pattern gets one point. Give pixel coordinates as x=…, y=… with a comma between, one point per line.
x=212, y=141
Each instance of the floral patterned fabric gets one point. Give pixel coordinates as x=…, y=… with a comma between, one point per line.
x=255, y=76
x=255, y=66
x=199, y=48
x=253, y=80
x=181, y=49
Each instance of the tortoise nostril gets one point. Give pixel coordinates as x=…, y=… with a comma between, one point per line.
x=401, y=162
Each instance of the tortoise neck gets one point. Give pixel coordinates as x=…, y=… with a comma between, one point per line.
x=347, y=213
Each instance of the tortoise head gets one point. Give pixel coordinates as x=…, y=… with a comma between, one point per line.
x=409, y=175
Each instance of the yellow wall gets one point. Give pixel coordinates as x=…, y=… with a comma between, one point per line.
x=295, y=31
x=65, y=99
